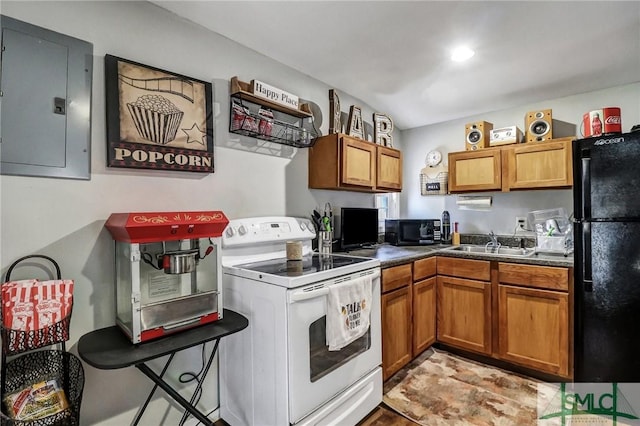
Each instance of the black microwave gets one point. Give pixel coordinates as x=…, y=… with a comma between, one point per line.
x=412, y=232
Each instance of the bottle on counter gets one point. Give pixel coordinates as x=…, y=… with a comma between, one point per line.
x=455, y=237
x=446, y=227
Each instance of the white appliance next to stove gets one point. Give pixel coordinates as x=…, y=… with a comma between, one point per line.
x=279, y=370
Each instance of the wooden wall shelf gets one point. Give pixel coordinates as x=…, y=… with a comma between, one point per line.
x=242, y=90
x=286, y=128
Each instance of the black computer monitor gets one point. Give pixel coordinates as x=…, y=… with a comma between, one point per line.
x=358, y=227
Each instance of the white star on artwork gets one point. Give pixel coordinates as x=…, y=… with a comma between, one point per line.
x=194, y=134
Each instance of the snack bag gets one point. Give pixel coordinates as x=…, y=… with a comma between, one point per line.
x=266, y=121
x=18, y=311
x=36, y=401
x=242, y=119
x=31, y=305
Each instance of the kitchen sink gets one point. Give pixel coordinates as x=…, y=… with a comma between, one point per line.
x=500, y=251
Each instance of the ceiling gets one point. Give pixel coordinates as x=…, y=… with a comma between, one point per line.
x=394, y=55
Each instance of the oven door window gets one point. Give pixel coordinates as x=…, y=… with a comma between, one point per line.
x=323, y=361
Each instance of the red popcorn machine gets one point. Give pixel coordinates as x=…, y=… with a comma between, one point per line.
x=168, y=273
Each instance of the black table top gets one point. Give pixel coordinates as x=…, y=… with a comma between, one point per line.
x=110, y=348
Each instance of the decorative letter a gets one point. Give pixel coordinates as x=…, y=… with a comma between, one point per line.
x=355, y=127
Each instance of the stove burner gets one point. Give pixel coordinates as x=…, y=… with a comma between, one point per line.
x=308, y=265
x=296, y=268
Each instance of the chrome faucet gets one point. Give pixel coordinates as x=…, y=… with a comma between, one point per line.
x=494, y=240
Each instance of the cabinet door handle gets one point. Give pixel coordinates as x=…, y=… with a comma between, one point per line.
x=586, y=187
x=587, y=276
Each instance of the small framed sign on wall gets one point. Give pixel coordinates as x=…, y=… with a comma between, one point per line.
x=157, y=119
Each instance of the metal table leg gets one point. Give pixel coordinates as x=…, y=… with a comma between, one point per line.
x=199, y=386
x=155, y=386
x=173, y=394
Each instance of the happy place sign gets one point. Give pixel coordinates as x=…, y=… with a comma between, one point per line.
x=273, y=94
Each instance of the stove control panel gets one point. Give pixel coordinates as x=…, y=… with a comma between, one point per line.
x=269, y=229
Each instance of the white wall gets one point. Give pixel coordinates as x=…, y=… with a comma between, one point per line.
x=65, y=218
x=450, y=137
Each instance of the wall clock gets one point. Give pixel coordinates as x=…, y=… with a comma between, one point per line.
x=433, y=158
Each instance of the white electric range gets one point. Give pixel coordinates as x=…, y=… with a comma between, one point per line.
x=279, y=370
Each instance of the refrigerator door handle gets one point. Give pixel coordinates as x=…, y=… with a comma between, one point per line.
x=587, y=277
x=586, y=186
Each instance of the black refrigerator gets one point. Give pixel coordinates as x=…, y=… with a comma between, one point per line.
x=606, y=196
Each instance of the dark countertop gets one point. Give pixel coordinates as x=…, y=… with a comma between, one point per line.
x=390, y=255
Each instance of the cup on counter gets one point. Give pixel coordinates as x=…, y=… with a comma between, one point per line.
x=294, y=250
x=325, y=241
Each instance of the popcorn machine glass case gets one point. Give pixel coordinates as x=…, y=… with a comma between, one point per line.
x=168, y=272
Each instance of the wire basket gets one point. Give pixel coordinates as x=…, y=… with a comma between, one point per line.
x=18, y=341
x=33, y=366
x=437, y=185
x=38, y=366
x=249, y=123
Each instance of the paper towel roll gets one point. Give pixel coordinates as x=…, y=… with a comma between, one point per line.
x=474, y=203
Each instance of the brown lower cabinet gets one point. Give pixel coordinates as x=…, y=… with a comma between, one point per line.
x=464, y=313
x=521, y=314
x=396, y=318
x=534, y=317
x=424, y=304
x=408, y=313
x=464, y=303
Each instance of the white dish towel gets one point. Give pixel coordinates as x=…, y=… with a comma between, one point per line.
x=348, y=311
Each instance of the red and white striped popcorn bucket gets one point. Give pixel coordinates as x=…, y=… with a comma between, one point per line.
x=35, y=313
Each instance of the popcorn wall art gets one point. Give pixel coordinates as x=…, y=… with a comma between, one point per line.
x=157, y=119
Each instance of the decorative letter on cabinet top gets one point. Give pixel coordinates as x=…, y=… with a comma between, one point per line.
x=383, y=126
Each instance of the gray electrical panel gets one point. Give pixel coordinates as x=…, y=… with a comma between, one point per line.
x=45, y=88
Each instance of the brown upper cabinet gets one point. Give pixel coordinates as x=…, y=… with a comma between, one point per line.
x=338, y=161
x=543, y=165
x=512, y=167
x=388, y=169
x=478, y=170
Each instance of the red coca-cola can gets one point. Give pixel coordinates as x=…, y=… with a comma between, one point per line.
x=601, y=122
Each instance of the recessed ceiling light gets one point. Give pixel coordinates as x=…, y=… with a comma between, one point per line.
x=462, y=53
